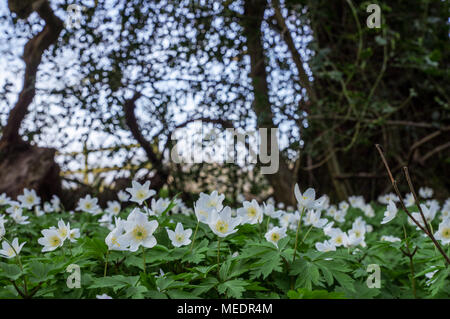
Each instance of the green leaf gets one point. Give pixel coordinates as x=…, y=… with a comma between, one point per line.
x=40, y=272
x=10, y=271
x=233, y=288
x=303, y=293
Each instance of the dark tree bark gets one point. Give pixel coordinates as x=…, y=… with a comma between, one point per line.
x=23, y=165
x=284, y=179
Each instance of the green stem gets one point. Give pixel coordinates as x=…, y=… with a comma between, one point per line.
x=21, y=267
x=106, y=263
x=296, y=234
x=143, y=256
x=306, y=235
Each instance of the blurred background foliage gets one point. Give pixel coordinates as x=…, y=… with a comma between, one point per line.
x=137, y=70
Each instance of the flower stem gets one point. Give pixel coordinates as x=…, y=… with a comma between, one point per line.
x=306, y=235
x=143, y=256
x=218, y=257
x=106, y=264
x=296, y=234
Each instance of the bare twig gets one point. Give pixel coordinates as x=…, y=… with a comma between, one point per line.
x=394, y=184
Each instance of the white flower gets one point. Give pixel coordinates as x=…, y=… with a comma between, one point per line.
x=384, y=199
x=139, y=193
x=275, y=234
x=286, y=219
x=325, y=246
x=51, y=240
x=313, y=218
x=430, y=276
x=222, y=224
x=48, y=208
x=270, y=211
x=356, y=201
x=409, y=200
x=88, y=205
x=13, y=206
x=443, y=233
x=19, y=218
x=307, y=200
x=391, y=239
x=344, y=206
x=331, y=211
x=214, y=200
x=112, y=240
x=4, y=199
x=56, y=203
x=74, y=234
x=103, y=296
x=138, y=231
x=425, y=192
x=123, y=196
x=240, y=198
x=179, y=237
x=339, y=216
x=63, y=230
x=338, y=238
x=368, y=211
x=251, y=213
x=202, y=212
x=38, y=211
x=9, y=251
x=29, y=198
x=113, y=207
x=160, y=205
x=390, y=213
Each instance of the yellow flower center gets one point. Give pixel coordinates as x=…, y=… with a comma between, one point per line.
x=139, y=233
x=251, y=212
x=339, y=240
x=221, y=226
x=11, y=252
x=179, y=238
x=88, y=205
x=114, y=241
x=63, y=232
x=446, y=233
x=30, y=199
x=275, y=237
x=140, y=194
x=55, y=241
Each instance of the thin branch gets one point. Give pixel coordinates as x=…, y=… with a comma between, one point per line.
x=394, y=184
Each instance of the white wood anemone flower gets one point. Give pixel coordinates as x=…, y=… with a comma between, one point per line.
x=51, y=240
x=214, y=200
x=443, y=233
x=88, y=205
x=275, y=234
x=140, y=193
x=138, y=232
x=179, y=237
x=28, y=199
x=10, y=251
x=222, y=224
x=251, y=213
x=390, y=213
